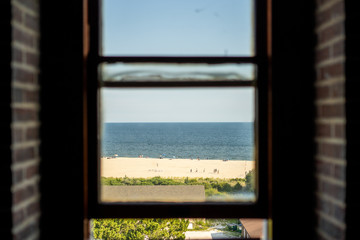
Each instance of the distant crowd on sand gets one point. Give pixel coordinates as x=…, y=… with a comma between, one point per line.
x=215, y=171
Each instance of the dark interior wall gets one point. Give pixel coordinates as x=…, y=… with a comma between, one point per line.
x=293, y=79
x=5, y=120
x=352, y=86
x=61, y=114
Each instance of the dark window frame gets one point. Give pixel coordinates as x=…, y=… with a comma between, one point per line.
x=259, y=209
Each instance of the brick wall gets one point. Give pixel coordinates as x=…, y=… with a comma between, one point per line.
x=25, y=121
x=330, y=120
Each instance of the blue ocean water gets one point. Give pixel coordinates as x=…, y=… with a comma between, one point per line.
x=233, y=141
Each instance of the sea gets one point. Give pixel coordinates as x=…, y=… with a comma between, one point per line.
x=203, y=140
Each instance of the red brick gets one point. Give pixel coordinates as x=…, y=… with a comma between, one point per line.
x=21, y=95
x=22, y=114
x=32, y=59
x=322, y=54
x=323, y=92
x=23, y=154
x=23, y=75
x=332, y=31
x=23, y=37
x=17, y=55
x=17, y=134
x=334, y=231
x=340, y=130
x=332, y=150
x=339, y=172
x=33, y=5
x=331, y=71
x=330, y=13
x=322, y=2
x=323, y=168
x=18, y=216
x=333, y=170
x=31, y=22
x=16, y=14
x=337, y=90
x=31, y=96
x=339, y=213
x=25, y=233
x=31, y=171
x=323, y=130
x=331, y=111
x=339, y=48
x=23, y=194
x=32, y=133
x=333, y=11
x=17, y=95
x=17, y=176
x=324, y=206
x=332, y=190
x=33, y=208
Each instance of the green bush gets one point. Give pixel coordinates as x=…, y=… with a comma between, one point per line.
x=250, y=181
x=119, y=229
x=213, y=186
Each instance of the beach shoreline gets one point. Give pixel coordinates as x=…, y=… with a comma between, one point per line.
x=167, y=167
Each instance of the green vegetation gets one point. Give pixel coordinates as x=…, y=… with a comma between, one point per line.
x=213, y=186
x=250, y=181
x=174, y=228
x=136, y=229
x=201, y=224
x=229, y=227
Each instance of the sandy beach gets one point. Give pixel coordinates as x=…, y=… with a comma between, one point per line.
x=151, y=167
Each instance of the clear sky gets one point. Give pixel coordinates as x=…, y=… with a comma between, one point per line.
x=181, y=27
x=177, y=27
x=178, y=105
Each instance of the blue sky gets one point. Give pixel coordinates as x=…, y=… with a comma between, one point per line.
x=177, y=27
x=178, y=105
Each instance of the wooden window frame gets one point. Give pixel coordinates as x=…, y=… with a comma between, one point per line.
x=259, y=209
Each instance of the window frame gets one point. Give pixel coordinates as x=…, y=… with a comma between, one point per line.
x=259, y=209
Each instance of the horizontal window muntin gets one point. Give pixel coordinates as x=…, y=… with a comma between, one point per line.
x=211, y=71
x=176, y=59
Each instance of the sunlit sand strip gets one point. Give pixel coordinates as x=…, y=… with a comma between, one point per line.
x=151, y=167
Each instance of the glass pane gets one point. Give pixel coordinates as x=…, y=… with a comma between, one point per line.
x=176, y=72
x=178, y=228
x=177, y=145
x=177, y=27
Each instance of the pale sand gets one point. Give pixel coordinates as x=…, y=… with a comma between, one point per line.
x=152, y=167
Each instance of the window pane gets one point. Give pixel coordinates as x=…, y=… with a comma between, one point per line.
x=177, y=27
x=176, y=72
x=177, y=145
